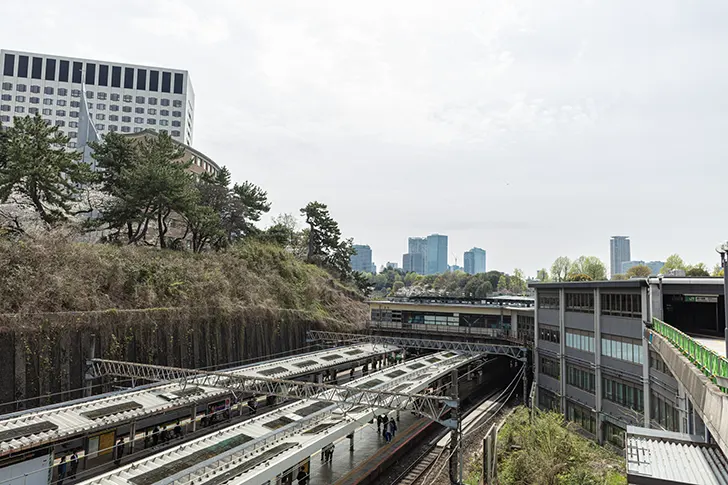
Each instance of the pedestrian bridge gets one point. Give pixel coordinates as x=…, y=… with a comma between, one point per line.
x=702, y=371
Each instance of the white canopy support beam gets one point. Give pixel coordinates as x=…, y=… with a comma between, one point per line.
x=433, y=407
x=513, y=351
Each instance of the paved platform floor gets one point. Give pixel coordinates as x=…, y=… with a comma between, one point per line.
x=717, y=345
x=366, y=442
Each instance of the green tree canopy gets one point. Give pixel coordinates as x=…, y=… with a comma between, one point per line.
x=639, y=271
x=36, y=166
x=590, y=266
x=717, y=271
x=674, y=261
x=619, y=277
x=543, y=275
x=697, y=270
x=325, y=246
x=560, y=268
x=578, y=277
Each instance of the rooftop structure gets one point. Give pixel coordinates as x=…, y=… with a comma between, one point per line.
x=657, y=457
x=124, y=98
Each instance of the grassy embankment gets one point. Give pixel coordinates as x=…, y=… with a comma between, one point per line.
x=61, y=276
x=548, y=451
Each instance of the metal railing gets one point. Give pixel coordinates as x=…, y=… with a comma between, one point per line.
x=710, y=363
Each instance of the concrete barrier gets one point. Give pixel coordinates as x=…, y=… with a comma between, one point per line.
x=708, y=400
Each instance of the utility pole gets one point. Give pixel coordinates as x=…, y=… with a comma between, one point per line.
x=456, y=454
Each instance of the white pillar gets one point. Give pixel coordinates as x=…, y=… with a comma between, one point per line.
x=598, y=362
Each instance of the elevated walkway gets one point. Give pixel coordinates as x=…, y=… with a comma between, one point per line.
x=702, y=372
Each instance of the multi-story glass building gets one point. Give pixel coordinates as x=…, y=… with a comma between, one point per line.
x=592, y=362
x=619, y=252
x=415, y=260
x=474, y=261
x=436, y=254
x=122, y=98
x=361, y=260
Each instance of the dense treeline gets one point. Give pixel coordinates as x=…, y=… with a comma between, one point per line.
x=145, y=195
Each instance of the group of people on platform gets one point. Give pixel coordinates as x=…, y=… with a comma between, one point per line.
x=64, y=471
x=386, y=426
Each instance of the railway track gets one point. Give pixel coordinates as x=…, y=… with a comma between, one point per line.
x=436, y=447
x=437, y=450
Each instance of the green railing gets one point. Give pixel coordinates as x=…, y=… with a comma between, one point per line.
x=710, y=363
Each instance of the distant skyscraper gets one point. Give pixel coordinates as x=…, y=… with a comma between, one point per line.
x=362, y=259
x=391, y=265
x=474, y=261
x=436, y=254
x=619, y=252
x=415, y=260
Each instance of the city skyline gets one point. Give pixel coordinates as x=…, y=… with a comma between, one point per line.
x=311, y=87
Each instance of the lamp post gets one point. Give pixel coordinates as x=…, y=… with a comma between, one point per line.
x=722, y=249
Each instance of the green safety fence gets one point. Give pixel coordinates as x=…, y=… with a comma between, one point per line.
x=710, y=363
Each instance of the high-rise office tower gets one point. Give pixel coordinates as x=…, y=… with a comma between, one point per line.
x=436, y=254
x=474, y=261
x=415, y=260
x=121, y=98
x=619, y=252
x=361, y=260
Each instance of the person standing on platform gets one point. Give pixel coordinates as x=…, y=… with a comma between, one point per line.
x=118, y=451
x=331, y=453
x=62, y=470
x=74, y=464
x=379, y=423
x=392, y=427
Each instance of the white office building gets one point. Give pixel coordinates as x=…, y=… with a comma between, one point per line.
x=123, y=98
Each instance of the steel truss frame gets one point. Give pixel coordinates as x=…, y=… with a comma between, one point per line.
x=433, y=407
x=515, y=352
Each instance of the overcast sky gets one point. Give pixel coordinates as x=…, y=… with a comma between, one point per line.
x=532, y=129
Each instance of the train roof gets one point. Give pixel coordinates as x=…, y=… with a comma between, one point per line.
x=27, y=430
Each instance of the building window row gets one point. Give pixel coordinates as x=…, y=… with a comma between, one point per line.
x=623, y=393
x=548, y=400
x=614, y=434
x=658, y=364
x=622, y=348
x=580, y=302
x=549, y=302
x=621, y=305
x=525, y=327
x=550, y=367
x=664, y=413
x=580, y=377
x=581, y=416
x=93, y=74
x=580, y=340
x=549, y=333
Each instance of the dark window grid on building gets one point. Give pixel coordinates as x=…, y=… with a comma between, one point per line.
x=549, y=333
x=580, y=302
x=7, y=86
x=76, y=72
x=548, y=302
x=115, y=76
x=166, y=82
x=621, y=305
x=165, y=102
x=5, y=118
x=20, y=98
x=101, y=96
x=8, y=97
x=154, y=80
x=178, y=83
x=90, y=74
x=581, y=416
x=114, y=97
x=614, y=434
x=128, y=78
x=9, y=65
x=61, y=102
x=62, y=92
x=550, y=367
x=35, y=89
x=5, y=107
x=36, y=71
x=50, y=73
x=21, y=88
x=580, y=377
x=626, y=394
x=658, y=364
x=664, y=413
x=548, y=400
x=103, y=75
x=33, y=111
x=141, y=79
x=580, y=340
x=176, y=133
x=622, y=348
x=63, y=70
x=23, y=66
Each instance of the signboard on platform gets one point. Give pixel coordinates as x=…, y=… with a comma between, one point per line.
x=701, y=298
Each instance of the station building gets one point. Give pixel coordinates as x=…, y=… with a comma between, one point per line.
x=593, y=364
